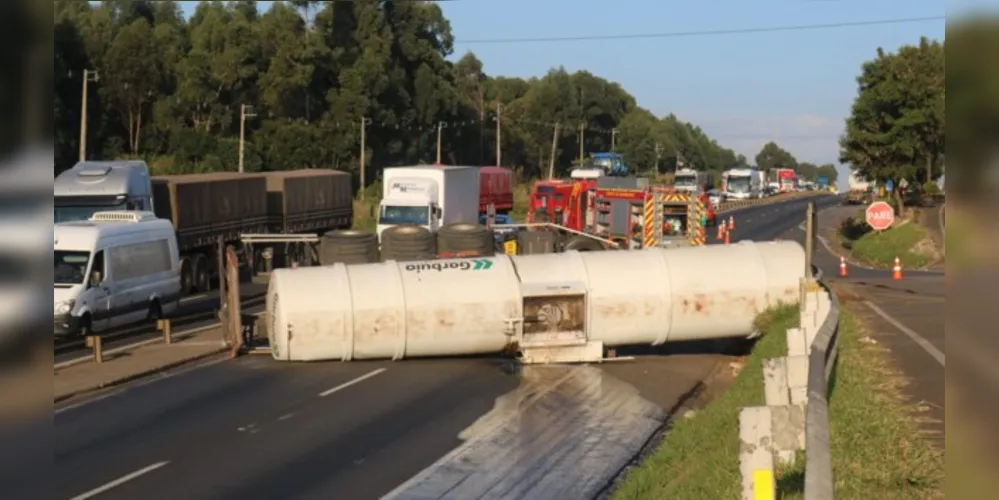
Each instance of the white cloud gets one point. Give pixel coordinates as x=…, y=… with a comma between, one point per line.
x=810, y=138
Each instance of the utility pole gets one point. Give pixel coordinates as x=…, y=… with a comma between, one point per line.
x=582, y=128
x=614, y=139
x=499, y=125
x=551, y=161
x=245, y=111
x=440, y=128
x=659, y=152
x=87, y=74
x=364, y=126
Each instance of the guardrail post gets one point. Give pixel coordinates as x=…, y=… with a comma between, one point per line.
x=163, y=325
x=94, y=342
x=756, y=460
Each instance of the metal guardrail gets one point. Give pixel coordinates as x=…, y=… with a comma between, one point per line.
x=821, y=363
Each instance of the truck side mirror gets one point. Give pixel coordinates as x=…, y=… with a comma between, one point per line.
x=95, y=278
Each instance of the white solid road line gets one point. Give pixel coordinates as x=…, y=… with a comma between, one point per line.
x=917, y=338
x=349, y=383
x=118, y=482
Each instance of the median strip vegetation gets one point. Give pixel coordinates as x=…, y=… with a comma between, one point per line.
x=906, y=240
x=875, y=445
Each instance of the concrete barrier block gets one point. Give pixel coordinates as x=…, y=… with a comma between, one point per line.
x=799, y=395
x=788, y=428
x=825, y=306
x=796, y=342
x=797, y=371
x=756, y=460
x=775, y=388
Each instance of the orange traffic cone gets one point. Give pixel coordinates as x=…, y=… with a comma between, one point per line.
x=721, y=232
x=731, y=222
x=896, y=272
x=842, y=266
x=727, y=237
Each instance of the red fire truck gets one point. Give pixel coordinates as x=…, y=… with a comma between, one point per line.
x=597, y=217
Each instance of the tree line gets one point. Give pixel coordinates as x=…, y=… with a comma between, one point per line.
x=308, y=81
x=895, y=130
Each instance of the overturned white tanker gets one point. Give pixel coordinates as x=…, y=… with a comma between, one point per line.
x=550, y=308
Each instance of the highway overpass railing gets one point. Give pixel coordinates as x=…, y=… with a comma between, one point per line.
x=795, y=417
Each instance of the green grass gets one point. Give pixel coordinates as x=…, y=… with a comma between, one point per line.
x=879, y=249
x=876, y=448
x=699, y=457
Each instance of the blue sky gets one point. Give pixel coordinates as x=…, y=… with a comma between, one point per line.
x=794, y=88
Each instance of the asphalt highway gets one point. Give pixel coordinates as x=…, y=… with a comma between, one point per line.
x=253, y=428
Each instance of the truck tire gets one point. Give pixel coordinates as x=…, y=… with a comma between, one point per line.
x=584, y=244
x=408, y=242
x=186, y=276
x=348, y=247
x=466, y=237
x=202, y=283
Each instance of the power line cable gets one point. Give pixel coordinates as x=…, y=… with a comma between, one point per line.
x=679, y=34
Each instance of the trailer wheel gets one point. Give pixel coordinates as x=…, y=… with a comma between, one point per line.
x=186, y=276
x=408, y=242
x=466, y=237
x=348, y=247
x=201, y=283
x=584, y=244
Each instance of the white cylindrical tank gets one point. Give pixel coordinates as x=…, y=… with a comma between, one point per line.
x=473, y=306
x=392, y=309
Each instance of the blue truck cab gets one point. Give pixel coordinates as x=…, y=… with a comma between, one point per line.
x=611, y=163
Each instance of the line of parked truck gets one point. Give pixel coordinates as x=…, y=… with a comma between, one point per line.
x=129, y=245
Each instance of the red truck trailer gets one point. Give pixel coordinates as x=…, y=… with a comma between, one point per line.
x=496, y=187
x=787, y=179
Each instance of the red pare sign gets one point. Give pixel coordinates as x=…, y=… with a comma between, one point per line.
x=880, y=215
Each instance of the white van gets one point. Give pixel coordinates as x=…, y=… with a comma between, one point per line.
x=114, y=269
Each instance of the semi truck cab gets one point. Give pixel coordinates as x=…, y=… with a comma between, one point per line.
x=410, y=201
x=429, y=196
x=101, y=186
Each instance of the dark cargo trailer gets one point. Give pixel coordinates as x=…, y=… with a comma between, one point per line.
x=205, y=207
x=309, y=200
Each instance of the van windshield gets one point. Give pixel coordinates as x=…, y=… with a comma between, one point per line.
x=70, y=213
x=392, y=214
x=70, y=267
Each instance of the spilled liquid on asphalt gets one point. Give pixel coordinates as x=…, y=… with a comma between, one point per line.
x=564, y=433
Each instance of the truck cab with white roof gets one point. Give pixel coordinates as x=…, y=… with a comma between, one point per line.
x=743, y=183
x=102, y=186
x=429, y=196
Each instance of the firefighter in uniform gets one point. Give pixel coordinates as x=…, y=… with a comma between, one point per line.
x=706, y=203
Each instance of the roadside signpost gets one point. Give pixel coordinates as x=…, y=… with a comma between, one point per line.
x=879, y=215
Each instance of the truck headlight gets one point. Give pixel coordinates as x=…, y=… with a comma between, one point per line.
x=65, y=307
